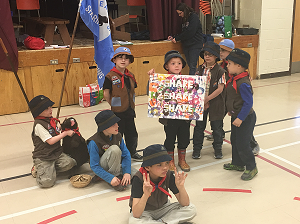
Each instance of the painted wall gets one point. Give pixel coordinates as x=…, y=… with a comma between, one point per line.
x=296, y=41
x=275, y=36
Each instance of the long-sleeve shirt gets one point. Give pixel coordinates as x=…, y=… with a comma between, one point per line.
x=246, y=94
x=95, y=161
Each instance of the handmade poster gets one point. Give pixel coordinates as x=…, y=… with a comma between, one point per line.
x=176, y=96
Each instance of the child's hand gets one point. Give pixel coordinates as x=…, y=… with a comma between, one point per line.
x=70, y=133
x=115, y=182
x=147, y=187
x=126, y=179
x=151, y=72
x=237, y=122
x=170, y=38
x=206, y=106
x=179, y=178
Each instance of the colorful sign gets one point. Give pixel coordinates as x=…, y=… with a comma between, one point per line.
x=176, y=96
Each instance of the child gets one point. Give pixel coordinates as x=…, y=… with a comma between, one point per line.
x=109, y=156
x=239, y=102
x=118, y=89
x=48, y=156
x=149, y=193
x=214, y=102
x=226, y=46
x=174, y=63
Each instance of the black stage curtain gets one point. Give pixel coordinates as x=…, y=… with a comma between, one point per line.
x=163, y=19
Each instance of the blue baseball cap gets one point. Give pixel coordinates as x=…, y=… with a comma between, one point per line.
x=123, y=50
x=227, y=45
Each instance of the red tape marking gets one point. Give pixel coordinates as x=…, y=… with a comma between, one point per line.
x=123, y=198
x=227, y=190
x=58, y=217
x=296, y=198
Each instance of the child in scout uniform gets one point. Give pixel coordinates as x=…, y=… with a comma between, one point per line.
x=226, y=46
x=109, y=157
x=239, y=102
x=175, y=128
x=150, y=191
x=214, y=103
x=48, y=156
x=118, y=89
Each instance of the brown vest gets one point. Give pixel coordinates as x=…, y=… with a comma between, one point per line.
x=234, y=101
x=103, y=142
x=121, y=98
x=42, y=150
x=157, y=198
x=216, y=105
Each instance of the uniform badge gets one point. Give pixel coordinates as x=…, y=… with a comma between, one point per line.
x=105, y=147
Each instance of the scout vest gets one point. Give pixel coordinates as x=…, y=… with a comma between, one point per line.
x=103, y=142
x=42, y=150
x=157, y=198
x=121, y=98
x=216, y=105
x=234, y=101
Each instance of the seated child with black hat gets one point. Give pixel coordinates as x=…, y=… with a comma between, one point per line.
x=239, y=102
x=214, y=102
x=109, y=157
x=150, y=191
x=175, y=128
x=48, y=156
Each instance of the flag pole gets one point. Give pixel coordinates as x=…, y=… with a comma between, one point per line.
x=14, y=71
x=68, y=60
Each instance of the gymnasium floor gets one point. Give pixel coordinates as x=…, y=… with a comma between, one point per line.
x=272, y=194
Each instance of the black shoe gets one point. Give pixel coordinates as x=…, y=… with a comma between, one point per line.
x=137, y=157
x=218, y=155
x=196, y=154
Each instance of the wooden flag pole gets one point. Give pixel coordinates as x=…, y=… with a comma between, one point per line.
x=13, y=69
x=67, y=65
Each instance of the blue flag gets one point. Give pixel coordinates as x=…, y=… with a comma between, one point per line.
x=94, y=14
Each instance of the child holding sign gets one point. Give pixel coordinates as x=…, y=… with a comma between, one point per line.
x=174, y=63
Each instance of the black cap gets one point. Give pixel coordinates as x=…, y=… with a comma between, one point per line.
x=155, y=154
x=106, y=119
x=240, y=57
x=212, y=48
x=38, y=104
x=173, y=54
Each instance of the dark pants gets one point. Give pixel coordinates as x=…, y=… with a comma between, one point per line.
x=192, y=56
x=216, y=127
x=253, y=142
x=128, y=129
x=179, y=129
x=240, y=140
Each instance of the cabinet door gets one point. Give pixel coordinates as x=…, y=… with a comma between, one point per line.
x=12, y=99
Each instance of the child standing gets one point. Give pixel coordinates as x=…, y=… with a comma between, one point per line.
x=173, y=128
x=239, y=102
x=150, y=190
x=214, y=103
x=109, y=156
x=48, y=156
x=118, y=89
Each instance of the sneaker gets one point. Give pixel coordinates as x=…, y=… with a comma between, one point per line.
x=137, y=157
x=229, y=166
x=218, y=155
x=249, y=174
x=209, y=137
x=256, y=150
x=96, y=179
x=33, y=171
x=196, y=154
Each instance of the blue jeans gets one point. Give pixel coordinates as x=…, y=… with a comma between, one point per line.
x=192, y=56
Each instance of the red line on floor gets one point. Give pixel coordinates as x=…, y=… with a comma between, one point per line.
x=58, y=217
x=227, y=190
x=296, y=198
x=123, y=198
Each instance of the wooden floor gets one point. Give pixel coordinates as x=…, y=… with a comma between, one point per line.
x=274, y=191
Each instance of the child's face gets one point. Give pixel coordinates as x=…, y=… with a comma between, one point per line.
x=234, y=68
x=112, y=130
x=209, y=58
x=223, y=53
x=122, y=61
x=158, y=170
x=174, y=66
x=47, y=112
